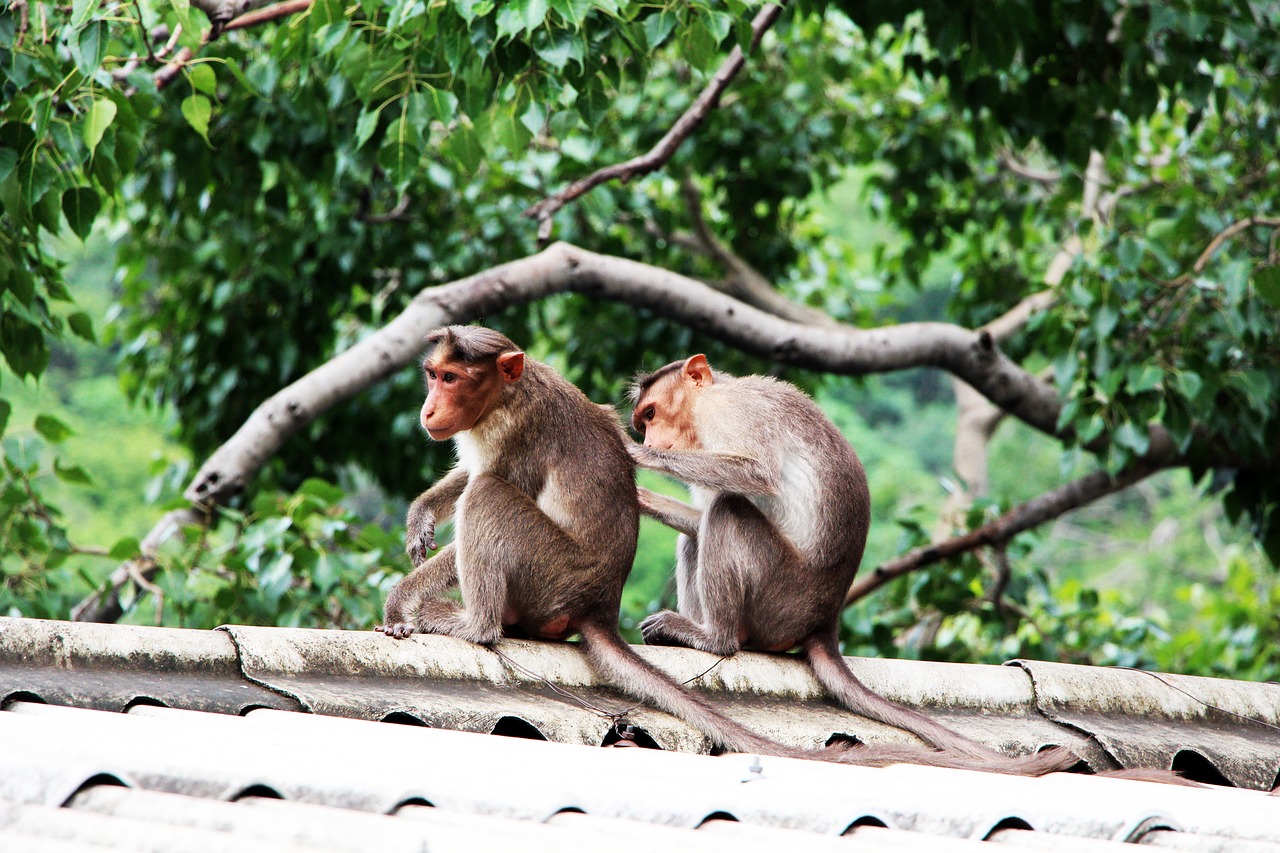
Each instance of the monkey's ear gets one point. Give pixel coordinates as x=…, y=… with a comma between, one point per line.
x=696, y=371
x=510, y=365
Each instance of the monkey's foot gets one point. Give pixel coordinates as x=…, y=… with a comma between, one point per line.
x=448, y=618
x=398, y=631
x=668, y=628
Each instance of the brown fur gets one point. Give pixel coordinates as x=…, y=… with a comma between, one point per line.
x=781, y=518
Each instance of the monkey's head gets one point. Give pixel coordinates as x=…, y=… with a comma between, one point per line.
x=465, y=373
x=665, y=401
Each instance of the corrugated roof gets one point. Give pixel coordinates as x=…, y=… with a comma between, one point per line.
x=233, y=758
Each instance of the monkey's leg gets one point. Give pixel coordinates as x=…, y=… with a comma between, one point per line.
x=736, y=543
x=407, y=597
x=504, y=540
x=688, y=591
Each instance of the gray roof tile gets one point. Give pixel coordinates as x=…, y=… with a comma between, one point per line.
x=334, y=776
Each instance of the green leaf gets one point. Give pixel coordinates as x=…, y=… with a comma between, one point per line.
x=1188, y=383
x=443, y=104
x=1104, y=321
x=81, y=206
x=53, y=429
x=5, y=411
x=96, y=121
x=472, y=9
x=658, y=27
x=1144, y=377
x=1130, y=253
x=511, y=18
x=399, y=154
x=71, y=473
x=125, y=548
x=365, y=126
x=82, y=326
x=91, y=47
x=203, y=79
x=1133, y=437
x=197, y=110
x=463, y=146
x=8, y=160
x=82, y=11
x=1266, y=281
x=572, y=12
x=535, y=13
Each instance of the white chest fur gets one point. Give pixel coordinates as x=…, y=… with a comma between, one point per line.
x=471, y=458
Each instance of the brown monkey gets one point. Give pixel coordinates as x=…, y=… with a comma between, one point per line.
x=546, y=517
x=765, y=559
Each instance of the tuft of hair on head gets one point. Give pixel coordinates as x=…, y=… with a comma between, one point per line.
x=470, y=344
x=644, y=381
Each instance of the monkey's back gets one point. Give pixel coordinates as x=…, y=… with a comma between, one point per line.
x=824, y=503
x=582, y=476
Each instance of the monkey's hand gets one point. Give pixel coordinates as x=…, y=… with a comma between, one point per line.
x=643, y=456
x=673, y=513
x=398, y=631
x=420, y=537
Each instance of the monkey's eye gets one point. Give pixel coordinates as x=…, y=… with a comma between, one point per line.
x=450, y=377
x=649, y=413
x=431, y=374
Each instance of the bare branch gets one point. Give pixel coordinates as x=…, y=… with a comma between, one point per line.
x=667, y=146
x=1226, y=234
x=222, y=12
x=1048, y=177
x=23, y=20
x=174, y=67
x=1035, y=512
x=745, y=282
x=103, y=605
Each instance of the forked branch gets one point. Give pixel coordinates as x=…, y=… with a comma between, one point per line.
x=1021, y=518
x=666, y=148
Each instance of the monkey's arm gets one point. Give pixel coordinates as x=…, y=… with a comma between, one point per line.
x=721, y=472
x=675, y=514
x=434, y=505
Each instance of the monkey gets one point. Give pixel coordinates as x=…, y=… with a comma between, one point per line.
x=546, y=517
x=779, y=520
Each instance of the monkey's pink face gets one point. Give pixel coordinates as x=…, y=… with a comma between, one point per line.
x=665, y=416
x=461, y=394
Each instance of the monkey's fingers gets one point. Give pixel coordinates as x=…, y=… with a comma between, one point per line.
x=398, y=631
x=652, y=628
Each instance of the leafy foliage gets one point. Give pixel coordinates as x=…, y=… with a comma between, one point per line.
x=295, y=184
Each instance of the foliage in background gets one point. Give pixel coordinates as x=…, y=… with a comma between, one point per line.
x=299, y=182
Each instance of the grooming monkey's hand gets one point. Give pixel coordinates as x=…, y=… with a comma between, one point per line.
x=420, y=538
x=640, y=454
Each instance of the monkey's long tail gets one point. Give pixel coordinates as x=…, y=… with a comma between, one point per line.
x=619, y=664
x=957, y=750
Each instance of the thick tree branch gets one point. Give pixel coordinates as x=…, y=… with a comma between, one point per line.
x=667, y=146
x=1035, y=512
x=564, y=268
